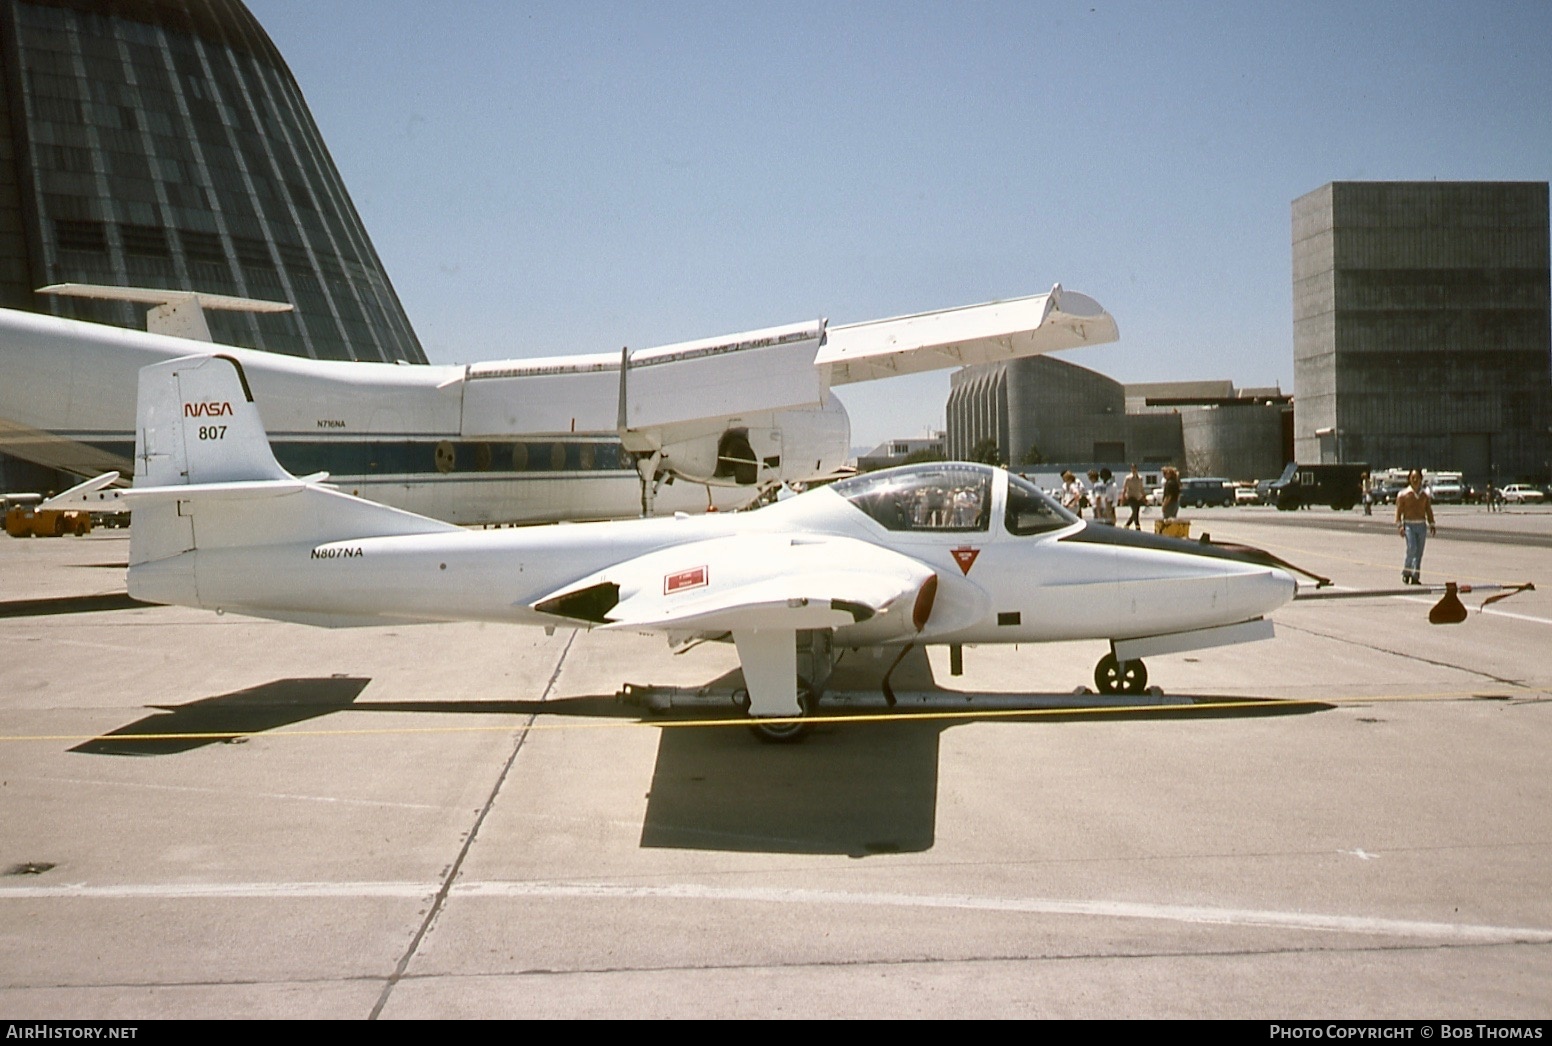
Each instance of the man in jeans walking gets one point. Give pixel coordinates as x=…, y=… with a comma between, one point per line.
x=1414, y=521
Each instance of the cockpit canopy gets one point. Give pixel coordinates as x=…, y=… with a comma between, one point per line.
x=1031, y=510
x=950, y=498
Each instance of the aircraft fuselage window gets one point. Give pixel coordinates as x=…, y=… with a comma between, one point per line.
x=1031, y=511
x=926, y=498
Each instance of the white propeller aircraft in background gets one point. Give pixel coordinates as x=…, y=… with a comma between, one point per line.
x=531, y=440
x=930, y=554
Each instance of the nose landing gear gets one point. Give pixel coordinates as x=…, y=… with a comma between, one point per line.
x=1120, y=677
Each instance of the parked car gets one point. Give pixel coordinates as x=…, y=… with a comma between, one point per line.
x=1206, y=490
x=1447, y=491
x=1246, y=496
x=1522, y=494
x=1386, y=494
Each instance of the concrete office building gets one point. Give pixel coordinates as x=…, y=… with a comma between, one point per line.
x=1061, y=410
x=1241, y=441
x=901, y=451
x=164, y=144
x=1072, y=415
x=1421, y=327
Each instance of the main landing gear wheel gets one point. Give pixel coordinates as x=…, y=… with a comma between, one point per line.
x=786, y=732
x=1118, y=677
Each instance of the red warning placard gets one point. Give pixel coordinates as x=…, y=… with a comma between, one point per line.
x=680, y=580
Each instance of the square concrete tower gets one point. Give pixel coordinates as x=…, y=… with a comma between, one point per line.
x=1422, y=328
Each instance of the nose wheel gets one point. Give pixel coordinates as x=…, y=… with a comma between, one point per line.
x=1120, y=677
x=787, y=729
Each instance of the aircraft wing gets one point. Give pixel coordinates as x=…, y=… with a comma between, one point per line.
x=679, y=397
x=711, y=378
x=772, y=368
x=746, y=410
x=998, y=330
x=770, y=385
x=746, y=583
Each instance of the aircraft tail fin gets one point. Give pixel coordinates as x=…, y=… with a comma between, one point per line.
x=207, y=481
x=197, y=423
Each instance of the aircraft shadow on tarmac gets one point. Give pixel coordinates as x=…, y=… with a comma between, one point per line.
x=213, y=720
x=70, y=605
x=858, y=788
x=853, y=788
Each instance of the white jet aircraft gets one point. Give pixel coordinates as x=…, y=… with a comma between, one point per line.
x=532, y=440
x=932, y=554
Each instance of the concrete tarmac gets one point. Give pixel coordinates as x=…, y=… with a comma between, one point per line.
x=212, y=816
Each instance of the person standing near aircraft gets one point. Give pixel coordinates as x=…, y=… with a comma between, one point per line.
x=1132, y=495
x=1072, y=494
x=1414, y=521
x=1103, y=493
x=1171, y=495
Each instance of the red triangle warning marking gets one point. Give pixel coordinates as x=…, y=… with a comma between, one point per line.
x=965, y=557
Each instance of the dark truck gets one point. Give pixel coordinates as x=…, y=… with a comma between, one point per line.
x=1300, y=486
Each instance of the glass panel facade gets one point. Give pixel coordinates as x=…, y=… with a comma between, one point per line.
x=164, y=144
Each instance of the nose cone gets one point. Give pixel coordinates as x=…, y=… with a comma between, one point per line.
x=1171, y=591
x=1167, y=585
x=1266, y=589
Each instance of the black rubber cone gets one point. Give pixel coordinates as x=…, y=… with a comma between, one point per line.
x=1449, y=610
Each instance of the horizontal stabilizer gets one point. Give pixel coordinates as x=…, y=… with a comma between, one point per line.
x=250, y=490
x=179, y=314
x=93, y=495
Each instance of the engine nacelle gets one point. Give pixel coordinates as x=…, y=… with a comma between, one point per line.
x=766, y=449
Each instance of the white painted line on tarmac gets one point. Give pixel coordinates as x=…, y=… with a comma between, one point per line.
x=1194, y=914
x=1518, y=617
x=235, y=796
x=1490, y=611
x=1032, y=905
x=216, y=891
x=1430, y=601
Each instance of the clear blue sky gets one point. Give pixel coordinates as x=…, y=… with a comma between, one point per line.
x=546, y=178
